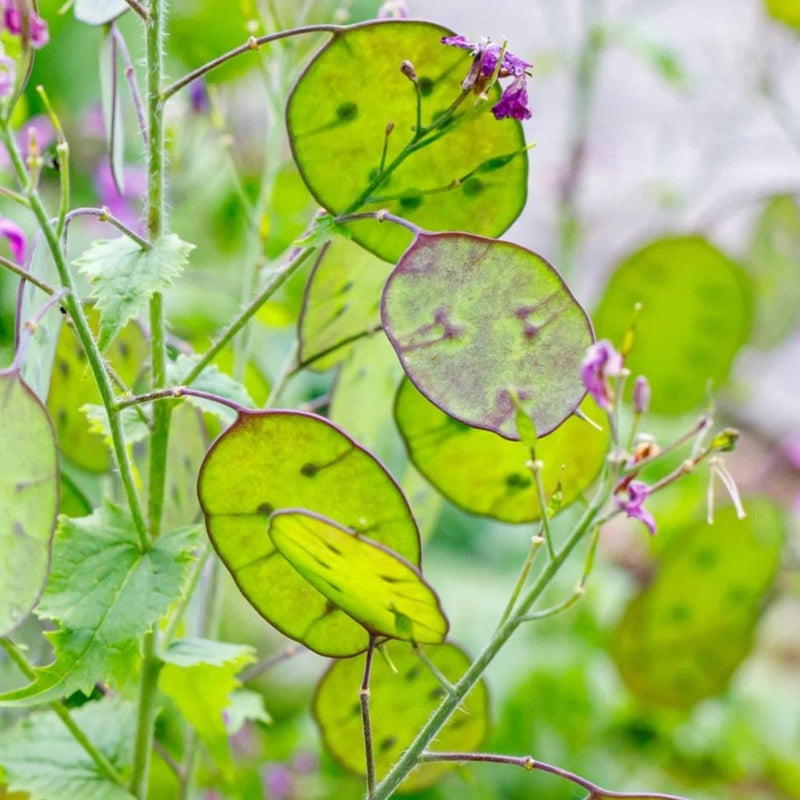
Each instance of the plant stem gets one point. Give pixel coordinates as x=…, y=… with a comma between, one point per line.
x=139, y=9
x=105, y=215
x=536, y=468
x=298, y=258
x=25, y=275
x=363, y=696
x=536, y=542
x=530, y=764
x=449, y=704
x=103, y=764
x=84, y=333
x=130, y=75
x=252, y=44
x=176, y=392
x=148, y=684
x=157, y=467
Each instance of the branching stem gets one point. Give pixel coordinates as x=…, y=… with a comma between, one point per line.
x=363, y=696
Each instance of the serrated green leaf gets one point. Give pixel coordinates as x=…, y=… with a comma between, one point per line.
x=696, y=314
x=211, y=380
x=245, y=706
x=681, y=639
x=134, y=425
x=105, y=593
x=40, y=756
x=276, y=460
x=376, y=587
x=337, y=117
x=28, y=498
x=99, y=12
x=73, y=387
x=37, y=362
x=202, y=692
x=342, y=300
x=124, y=277
x=772, y=260
x=469, y=348
x=488, y=475
x=400, y=704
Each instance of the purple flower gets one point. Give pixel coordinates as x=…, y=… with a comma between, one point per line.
x=38, y=35
x=8, y=76
x=602, y=361
x=514, y=101
x=278, y=781
x=17, y=240
x=393, y=9
x=638, y=492
x=641, y=395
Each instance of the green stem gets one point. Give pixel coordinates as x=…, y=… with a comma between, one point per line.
x=277, y=280
x=412, y=755
x=148, y=688
x=366, y=724
x=536, y=469
x=159, y=439
x=103, y=764
x=84, y=333
x=25, y=275
x=536, y=542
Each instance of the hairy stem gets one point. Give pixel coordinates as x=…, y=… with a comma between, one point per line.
x=366, y=724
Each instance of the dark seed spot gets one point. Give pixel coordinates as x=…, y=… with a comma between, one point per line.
x=347, y=112
x=265, y=508
x=390, y=579
x=411, y=675
x=329, y=608
x=347, y=286
x=426, y=85
x=411, y=201
x=387, y=744
x=355, y=709
x=680, y=613
x=333, y=549
x=63, y=367
x=124, y=350
x=309, y=470
x=517, y=481
x=472, y=186
x=705, y=559
x=437, y=693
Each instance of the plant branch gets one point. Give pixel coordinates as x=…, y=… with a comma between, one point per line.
x=138, y=9
x=130, y=76
x=530, y=764
x=363, y=696
x=536, y=542
x=298, y=257
x=175, y=393
x=104, y=215
x=267, y=664
x=251, y=45
x=103, y=764
x=25, y=275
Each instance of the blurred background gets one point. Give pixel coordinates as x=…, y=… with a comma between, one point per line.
x=652, y=119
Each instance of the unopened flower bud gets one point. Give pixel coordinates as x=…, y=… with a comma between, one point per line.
x=407, y=68
x=725, y=440
x=641, y=395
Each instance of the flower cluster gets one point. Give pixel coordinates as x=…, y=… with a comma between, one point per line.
x=18, y=20
x=514, y=100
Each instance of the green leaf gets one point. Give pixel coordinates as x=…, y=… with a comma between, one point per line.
x=211, y=380
x=99, y=12
x=28, y=498
x=377, y=588
x=73, y=388
x=40, y=756
x=786, y=11
x=469, y=349
x=245, y=706
x=696, y=314
x=276, y=460
x=486, y=474
x=772, y=260
x=124, y=277
x=185, y=453
x=105, y=593
x=200, y=677
x=342, y=300
x=681, y=639
x=473, y=178
x=37, y=361
x=400, y=704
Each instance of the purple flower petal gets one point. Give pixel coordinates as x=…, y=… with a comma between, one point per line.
x=602, y=361
x=641, y=395
x=514, y=101
x=638, y=492
x=17, y=240
x=38, y=35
